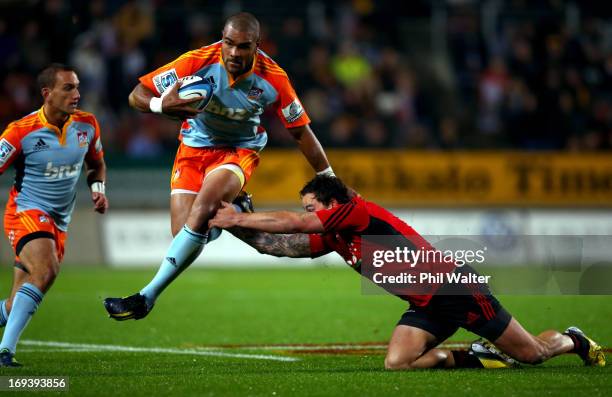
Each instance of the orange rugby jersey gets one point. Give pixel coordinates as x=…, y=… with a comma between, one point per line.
x=232, y=117
x=48, y=161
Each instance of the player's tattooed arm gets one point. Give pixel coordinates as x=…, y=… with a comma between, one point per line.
x=291, y=245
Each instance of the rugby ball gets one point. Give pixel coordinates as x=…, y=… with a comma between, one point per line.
x=193, y=87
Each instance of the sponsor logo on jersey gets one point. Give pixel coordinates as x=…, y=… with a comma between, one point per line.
x=82, y=138
x=62, y=171
x=6, y=150
x=98, y=145
x=43, y=219
x=165, y=80
x=40, y=145
x=237, y=114
x=293, y=111
x=254, y=93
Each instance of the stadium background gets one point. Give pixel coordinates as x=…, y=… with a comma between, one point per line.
x=492, y=110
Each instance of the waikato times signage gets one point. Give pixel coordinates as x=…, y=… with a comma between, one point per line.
x=406, y=178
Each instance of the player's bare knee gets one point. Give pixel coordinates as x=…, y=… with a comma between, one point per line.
x=391, y=364
x=48, y=277
x=43, y=276
x=395, y=362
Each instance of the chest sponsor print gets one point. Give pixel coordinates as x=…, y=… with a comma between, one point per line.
x=40, y=145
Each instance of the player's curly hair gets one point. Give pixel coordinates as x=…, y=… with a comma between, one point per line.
x=325, y=188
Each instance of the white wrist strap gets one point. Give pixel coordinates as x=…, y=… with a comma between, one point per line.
x=98, y=187
x=327, y=172
x=156, y=105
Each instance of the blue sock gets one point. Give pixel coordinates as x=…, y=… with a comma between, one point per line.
x=25, y=304
x=184, y=249
x=3, y=313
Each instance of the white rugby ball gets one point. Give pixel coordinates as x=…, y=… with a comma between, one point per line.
x=193, y=87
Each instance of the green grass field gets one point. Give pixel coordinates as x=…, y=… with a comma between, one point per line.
x=238, y=332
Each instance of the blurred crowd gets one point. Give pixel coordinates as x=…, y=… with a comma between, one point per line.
x=453, y=74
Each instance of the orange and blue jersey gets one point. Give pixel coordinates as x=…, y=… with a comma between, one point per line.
x=48, y=161
x=232, y=117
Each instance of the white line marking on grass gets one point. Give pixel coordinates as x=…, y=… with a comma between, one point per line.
x=378, y=346
x=309, y=347
x=116, y=348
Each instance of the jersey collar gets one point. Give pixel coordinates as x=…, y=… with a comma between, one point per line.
x=60, y=133
x=243, y=76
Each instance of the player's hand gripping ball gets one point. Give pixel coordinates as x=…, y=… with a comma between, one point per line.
x=195, y=86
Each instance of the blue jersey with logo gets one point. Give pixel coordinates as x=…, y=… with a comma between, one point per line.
x=48, y=161
x=232, y=117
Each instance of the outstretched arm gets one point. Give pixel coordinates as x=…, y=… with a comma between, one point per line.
x=271, y=222
x=291, y=245
x=311, y=148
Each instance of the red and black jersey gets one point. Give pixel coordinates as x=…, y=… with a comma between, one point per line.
x=346, y=224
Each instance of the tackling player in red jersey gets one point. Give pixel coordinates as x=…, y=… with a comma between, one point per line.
x=335, y=221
